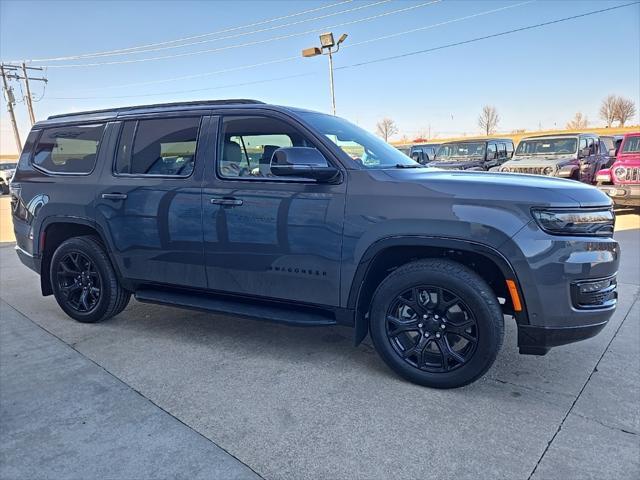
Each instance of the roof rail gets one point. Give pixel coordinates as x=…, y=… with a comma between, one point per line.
x=234, y=101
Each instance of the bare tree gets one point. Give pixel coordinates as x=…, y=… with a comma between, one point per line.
x=488, y=119
x=578, y=122
x=625, y=109
x=386, y=128
x=608, y=109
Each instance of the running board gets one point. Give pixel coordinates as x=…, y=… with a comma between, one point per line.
x=271, y=312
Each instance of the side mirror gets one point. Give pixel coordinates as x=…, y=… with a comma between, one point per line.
x=584, y=152
x=612, y=152
x=302, y=162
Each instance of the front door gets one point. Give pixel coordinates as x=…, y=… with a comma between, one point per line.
x=270, y=237
x=149, y=201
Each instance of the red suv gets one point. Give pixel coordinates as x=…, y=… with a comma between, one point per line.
x=621, y=181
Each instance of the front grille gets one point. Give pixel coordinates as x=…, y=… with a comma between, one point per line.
x=530, y=170
x=633, y=174
x=591, y=294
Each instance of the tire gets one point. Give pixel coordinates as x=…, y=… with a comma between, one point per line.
x=441, y=344
x=80, y=268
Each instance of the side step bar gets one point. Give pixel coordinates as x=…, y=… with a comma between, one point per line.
x=271, y=312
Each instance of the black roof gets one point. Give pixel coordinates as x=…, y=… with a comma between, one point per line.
x=158, y=106
x=554, y=135
x=481, y=139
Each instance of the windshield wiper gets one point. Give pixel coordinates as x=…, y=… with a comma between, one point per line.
x=408, y=165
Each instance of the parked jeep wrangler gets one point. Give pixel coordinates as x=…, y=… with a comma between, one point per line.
x=622, y=180
x=481, y=154
x=577, y=156
x=292, y=216
x=424, y=152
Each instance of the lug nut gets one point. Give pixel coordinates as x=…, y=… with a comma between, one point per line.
x=437, y=317
x=426, y=334
x=425, y=317
x=443, y=326
x=437, y=335
x=420, y=325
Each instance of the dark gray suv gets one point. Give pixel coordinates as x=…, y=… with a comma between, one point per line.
x=292, y=216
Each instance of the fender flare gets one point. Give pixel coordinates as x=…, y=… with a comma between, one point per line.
x=52, y=219
x=372, y=252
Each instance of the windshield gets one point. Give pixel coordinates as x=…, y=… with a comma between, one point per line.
x=363, y=147
x=631, y=145
x=462, y=150
x=7, y=166
x=548, y=146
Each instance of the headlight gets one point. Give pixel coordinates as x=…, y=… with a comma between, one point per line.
x=620, y=172
x=576, y=222
x=548, y=171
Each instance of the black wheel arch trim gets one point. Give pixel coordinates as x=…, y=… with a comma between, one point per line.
x=452, y=243
x=53, y=219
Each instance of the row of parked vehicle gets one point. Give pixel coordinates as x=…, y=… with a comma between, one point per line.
x=610, y=162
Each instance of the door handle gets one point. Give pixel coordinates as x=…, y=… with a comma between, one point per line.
x=114, y=196
x=230, y=202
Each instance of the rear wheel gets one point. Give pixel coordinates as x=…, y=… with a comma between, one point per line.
x=436, y=323
x=84, y=282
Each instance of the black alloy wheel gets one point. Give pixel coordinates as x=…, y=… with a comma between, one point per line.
x=79, y=282
x=432, y=329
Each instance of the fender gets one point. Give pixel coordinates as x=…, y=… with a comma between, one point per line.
x=363, y=269
x=50, y=220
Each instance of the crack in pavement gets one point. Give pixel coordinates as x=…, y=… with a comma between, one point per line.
x=129, y=386
x=573, y=404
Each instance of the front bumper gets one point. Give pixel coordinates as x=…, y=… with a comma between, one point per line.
x=534, y=340
x=623, y=194
x=568, y=284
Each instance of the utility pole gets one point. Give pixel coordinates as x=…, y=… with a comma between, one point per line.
x=28, y=99
x=12, y=72
x=8, y=94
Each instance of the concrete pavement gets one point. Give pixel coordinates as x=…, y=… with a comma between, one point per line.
x=303, y=403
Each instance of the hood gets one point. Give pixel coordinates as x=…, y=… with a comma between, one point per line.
x=628, y=159
x=461, y=164
x=534, y=190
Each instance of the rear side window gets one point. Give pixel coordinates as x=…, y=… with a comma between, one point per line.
x=71, y=149
x=161, y=146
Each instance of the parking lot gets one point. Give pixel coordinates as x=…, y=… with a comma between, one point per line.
x=159, y=392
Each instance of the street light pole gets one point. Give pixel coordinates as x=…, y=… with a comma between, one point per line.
x=333, y=94
x=326, y=48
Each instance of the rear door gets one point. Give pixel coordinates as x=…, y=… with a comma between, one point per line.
x=269, y=236
x=149, y=199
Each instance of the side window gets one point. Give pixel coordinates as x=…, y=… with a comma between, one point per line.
x=509, y=149
x=71, y=149
x=502, y=150
x=491, y=151
x=592, y=146
x=249, y=143
x=583, y=143
x=159, y=146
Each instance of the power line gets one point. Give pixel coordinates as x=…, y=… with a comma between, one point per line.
x=257, y=42
x=185, y=39
x=241, y=34
x=296, y=57
x=383, y=59
x=440, y=24
x=477, y=39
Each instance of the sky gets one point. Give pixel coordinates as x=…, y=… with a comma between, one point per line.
x=537, y=78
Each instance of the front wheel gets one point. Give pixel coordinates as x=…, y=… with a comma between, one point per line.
x=436, y=323
x=84, y=282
